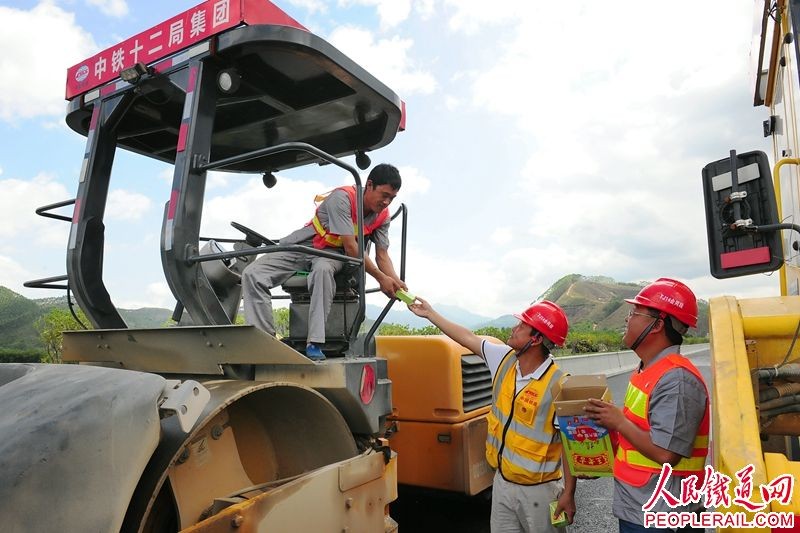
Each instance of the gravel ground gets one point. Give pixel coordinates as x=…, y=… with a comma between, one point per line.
x=593, y=499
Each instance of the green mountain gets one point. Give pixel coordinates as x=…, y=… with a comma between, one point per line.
x=591, y=303
x=597, y=302
x=18, y=316
x=146, y=317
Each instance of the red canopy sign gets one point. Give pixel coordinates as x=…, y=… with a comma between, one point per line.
x=171, y=36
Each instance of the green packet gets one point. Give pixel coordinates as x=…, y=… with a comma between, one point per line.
x=405, y=297
x=560, y=520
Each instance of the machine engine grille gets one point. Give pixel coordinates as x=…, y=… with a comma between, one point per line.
x=476, y=382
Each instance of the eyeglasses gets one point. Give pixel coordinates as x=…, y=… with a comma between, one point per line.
x=632, y=312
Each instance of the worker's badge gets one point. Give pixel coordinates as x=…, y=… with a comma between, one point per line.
x=530, y=397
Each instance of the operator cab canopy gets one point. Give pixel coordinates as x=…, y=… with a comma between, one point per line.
x=275, y=83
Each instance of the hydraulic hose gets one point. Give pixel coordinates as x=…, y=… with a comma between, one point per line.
x=790, y=371
x=778, y=390
x=794, y=408
x=778, y=402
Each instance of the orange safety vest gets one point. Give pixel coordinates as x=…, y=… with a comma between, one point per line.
x=633, y=467
x=521, y=439
x=324, y=238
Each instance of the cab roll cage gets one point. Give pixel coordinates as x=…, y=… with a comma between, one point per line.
x=200, y=166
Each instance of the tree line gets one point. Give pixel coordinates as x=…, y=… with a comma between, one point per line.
x=583, y=337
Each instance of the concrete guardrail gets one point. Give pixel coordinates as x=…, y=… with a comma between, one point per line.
x=613, y=363
x=610, y=363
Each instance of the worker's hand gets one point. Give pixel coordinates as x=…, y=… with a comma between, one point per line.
x=566, y=504
x=389, y=286
x=606, y=414
x=421, y=308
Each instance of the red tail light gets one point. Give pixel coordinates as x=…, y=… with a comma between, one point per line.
x=367, y=390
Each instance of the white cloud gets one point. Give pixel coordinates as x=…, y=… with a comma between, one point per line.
x=425, y=8
x=166, y=175
x=469, y=16
x=13, y=275
x=390, y=12
x=494, y=284
x=614, y=135
x=18, y=201
x=387, y=59
x=112, y=8
x=502, y=235
x=126, y=205
x=312, y=6
x=155, y=295
x=414, y=182
x=451, y=103
x=34, y=74
x=606, y=123
x=758, y=286
x=272, y=212
x=446, y=279
x=217, y=180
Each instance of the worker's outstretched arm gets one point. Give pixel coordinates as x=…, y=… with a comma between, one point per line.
x=458, y=333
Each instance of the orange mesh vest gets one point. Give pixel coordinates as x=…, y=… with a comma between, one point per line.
x=324, y=238
x=632, y=466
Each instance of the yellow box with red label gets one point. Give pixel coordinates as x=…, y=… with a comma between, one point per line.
x=587, y=445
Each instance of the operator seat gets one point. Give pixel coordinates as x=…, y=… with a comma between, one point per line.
x=341, y=318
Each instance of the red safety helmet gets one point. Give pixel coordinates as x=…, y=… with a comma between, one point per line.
x=670, y=296
x=548, y=319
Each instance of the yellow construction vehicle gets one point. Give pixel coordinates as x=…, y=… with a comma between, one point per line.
x=440, y=398
x=209, y=426
x=752, y=219
x=206, y=426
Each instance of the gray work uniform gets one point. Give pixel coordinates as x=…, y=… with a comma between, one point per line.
x=677, y=406
x=270, y=270
x=520, y=508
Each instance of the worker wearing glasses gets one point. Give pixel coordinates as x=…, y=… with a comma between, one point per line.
x=665, y=418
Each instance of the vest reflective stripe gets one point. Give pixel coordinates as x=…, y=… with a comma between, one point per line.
x=536, y=432
x=636, y=401
x=521, y=440
x=332, y=240
x=324, y=238
x=693, y=464
x=630, y=465
x=532, y=465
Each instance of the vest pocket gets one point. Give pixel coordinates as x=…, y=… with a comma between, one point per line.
x=525, y=414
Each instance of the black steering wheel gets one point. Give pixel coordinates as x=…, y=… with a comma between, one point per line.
x=251, y=237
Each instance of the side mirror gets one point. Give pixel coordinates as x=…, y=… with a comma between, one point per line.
x=739, y=198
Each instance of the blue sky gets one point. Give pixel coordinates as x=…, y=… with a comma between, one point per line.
x=542, y=139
